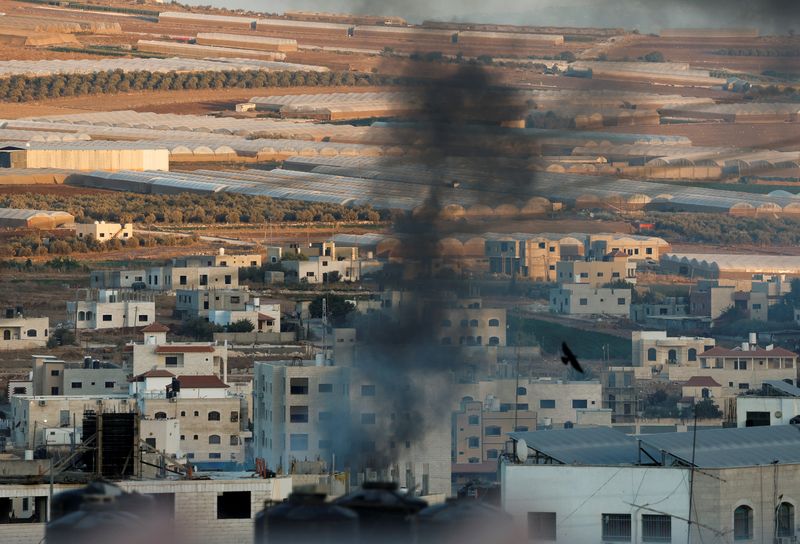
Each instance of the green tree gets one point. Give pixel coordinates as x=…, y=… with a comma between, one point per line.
x=338, y=308
x=243, y=325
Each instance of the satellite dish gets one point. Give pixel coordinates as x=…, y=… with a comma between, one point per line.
x=521, y=450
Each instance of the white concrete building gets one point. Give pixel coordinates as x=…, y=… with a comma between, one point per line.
x=600, y=485
x=185, y=358
x=103, y=232
x=112, y=309
x=581, y=299
x=780, y=407
x=18, y=332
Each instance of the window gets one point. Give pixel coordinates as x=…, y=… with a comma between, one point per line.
x=474, y=420
x=756, y=306
x=493, y=430
x=672, y=356
x=473, y=442
x=621, y=301
x=584, y=274
x=160, y=415
x=110, y=385
x=171, y=360
x=492, y=454
x=617, y=527
x=583, y=301
x=196, y=413
x=367, y=390
x=182, y=280
x=785, y=520
x=204, y=279
x=494, y=341
x=368, y=419
x=298, y=442
x=233, y=505
x=54, y=372
x=213, y=416
x=298, y=414
x=744, y=386
x=521, y=429
x=522, y=406
x=473, y=322
x=522, y=391
x=326, y=388
x=31, y=333
x=494, y=322
x=234, y=417
x=215, y=456
x=464, y=322
x=743, y=523
x=692, y=355
x=652, y=354
x=106, y=317
x=541, y=526
x=547, y=403
x=77, y=385
x=298, y=386
x=228, y=279
x=214, y=439
x=144, y=318
x=656, y=528
x=579, y=403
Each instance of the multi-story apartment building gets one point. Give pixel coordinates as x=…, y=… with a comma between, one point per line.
x=185, y=358
x=321, y=270
x=312, y=412
x=579, y=299
x=225, y=306
x=167, y=278
x=655, y=348
x=557, y=403
x=52, y=376
x=615, y=267
x=209, y=417
x=18, y=332
x=35, y=417
x=468, y=322
x=536, y=256
x=480, y=431
x=112, y=309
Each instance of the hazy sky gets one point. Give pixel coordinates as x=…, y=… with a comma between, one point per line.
x=646, y=15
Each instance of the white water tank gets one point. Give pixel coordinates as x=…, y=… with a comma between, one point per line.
x=753, y=338
x=29, y=455
x=320, y=359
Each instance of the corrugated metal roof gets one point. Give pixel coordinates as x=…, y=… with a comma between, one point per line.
x=588, y=446
x=783, y=387
x=729, y=448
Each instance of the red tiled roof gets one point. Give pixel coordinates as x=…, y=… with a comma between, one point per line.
x=170, y=348
x=263, y=317
x=154, y=373
x=156, y=327
x=758, y=352
x=702, y=381
x=201, y=382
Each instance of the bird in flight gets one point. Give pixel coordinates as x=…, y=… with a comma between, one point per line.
x=569, y=358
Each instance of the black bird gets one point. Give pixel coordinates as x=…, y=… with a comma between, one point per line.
x=569, y=358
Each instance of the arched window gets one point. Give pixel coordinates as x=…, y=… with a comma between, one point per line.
x=494, y=322
x=213, y=416
x=705, y=393
x=522, y=391
x=470, y=340
x=6, y=335
x=88, y=316
x=473, y=322
x=692, y=354
x=494, y=341
x=161, y=415
x=81, y=316
x=743, y=523
x=785, y=520
x=651, y=354
x=32, y=333
x=213, y=439
x=672, y=356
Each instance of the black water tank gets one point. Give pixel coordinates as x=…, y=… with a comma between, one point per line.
x=384, y=513
x=463, y=521
x=305, y=518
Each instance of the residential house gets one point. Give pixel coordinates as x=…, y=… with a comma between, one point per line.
x=579, y=299
x=112, y=309
x=19, y=332
x=103, y=232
